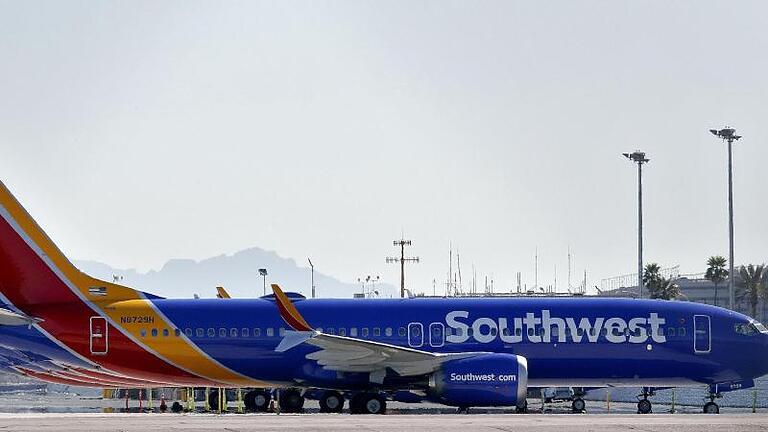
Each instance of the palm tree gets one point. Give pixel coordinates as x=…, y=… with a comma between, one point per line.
x=752, y=286
x=651, y=276
x=716, y=272
x=665, y=289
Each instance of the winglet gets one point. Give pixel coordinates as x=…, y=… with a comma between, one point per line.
x=288, y=311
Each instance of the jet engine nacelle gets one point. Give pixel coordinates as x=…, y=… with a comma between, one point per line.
x=482, y=380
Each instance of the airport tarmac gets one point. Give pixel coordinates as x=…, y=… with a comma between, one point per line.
x=383, y=423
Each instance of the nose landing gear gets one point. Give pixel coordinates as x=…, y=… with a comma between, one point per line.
x=644, y=405
x=711, y=407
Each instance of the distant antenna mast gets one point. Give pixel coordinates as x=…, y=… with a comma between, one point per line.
x=536, y=269
x=448, y=284
x=402, y=260
x=569, y=268
x=458, y=265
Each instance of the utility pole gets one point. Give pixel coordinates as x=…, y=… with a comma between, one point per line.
x=639, y=158
x=728, y=134
x=402, y=260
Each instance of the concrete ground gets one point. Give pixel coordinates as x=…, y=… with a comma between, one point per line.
x=385, y=423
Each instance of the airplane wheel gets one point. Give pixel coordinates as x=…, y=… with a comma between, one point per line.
x=578, y=405
x=372, y=403
x=176, y=407
x=331, y=402
x=711, y=408
x=257, y=400
x=522, y=409
x=643, y=406
x=291, y=401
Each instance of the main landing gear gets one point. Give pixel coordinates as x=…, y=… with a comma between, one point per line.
x=644, y=405
x=291, y=401
x=711, y=407
x=331, y=402
x=257, y=400
x=367, y=403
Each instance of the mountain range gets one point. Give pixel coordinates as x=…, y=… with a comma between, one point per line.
x=237, y=273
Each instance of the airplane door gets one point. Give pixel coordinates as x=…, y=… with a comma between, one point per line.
x=99, y=335
x=702, y=334
x=436, y=334
x=415, y=334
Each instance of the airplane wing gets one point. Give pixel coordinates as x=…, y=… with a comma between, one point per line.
x=347, y=354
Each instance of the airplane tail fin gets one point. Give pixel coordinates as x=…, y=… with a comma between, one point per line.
x=34, y=271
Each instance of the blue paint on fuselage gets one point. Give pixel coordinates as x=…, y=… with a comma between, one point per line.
x=732, y=356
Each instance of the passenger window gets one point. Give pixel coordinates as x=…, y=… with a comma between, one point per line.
x=365, y=331
x=281, y=332
x=143, y=332
x=460, y=332
x=555, y=331
x=531, y=331
x=592, y=331
x=518, y=332
x=353, y=332
x=270, y=332
x=580, y=331
x=448, y=331
x=505, y=332
x=376, y=332
x=401, y=331
x=671, y=331
x=470, y=332
x=493, y=331
x=154, y=332
x=233, y=332
x=388, y=332
x=222, y=332
x=176, y=332
x=244, y=331
x=331, y=331
x=188, y=332
x=211, y=332
x=681, y=331
x=200, y=332
x=257, y=332
x=166, y=333
x=342, y=331
x=604, y=332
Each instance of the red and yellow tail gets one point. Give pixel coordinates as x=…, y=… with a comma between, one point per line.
x=34, y=271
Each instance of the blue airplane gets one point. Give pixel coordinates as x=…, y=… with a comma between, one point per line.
x=458, y=352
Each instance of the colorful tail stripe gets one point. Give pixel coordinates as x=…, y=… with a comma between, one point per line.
x=34, y=274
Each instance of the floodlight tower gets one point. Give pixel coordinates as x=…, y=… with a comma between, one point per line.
x=263, y=273
x=313, y=276
x=402, y=260
x=639, y=158
x=728, y=134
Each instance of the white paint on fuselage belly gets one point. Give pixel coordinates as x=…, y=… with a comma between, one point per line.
x=640, y=382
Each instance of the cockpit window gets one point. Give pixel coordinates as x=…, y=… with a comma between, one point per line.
x=759, y=326
x=749, y=328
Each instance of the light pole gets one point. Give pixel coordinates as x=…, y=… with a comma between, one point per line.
x=639, y=158
x=313, y=276
x=728, y=134
x=263, y=273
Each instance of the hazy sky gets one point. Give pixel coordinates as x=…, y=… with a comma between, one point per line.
x=136, y=132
